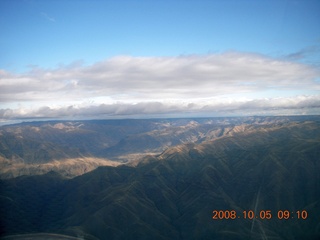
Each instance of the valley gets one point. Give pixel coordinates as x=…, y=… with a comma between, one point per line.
x=181, y=171
x=70, y=147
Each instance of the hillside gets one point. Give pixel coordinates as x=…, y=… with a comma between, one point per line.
x=268, y=167
x=76, y=147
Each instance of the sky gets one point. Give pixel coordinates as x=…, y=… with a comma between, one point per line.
x=81, y=59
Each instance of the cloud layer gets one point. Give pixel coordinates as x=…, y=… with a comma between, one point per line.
x=126, y=85
x=277, y=106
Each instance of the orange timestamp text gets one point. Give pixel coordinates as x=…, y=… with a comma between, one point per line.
x=262, y=214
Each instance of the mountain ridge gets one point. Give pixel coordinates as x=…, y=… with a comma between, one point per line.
x=173, y=195
x=28, y=145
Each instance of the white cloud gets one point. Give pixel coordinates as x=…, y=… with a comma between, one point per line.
x=213, y=107
x=46, y=16
x=127, y=85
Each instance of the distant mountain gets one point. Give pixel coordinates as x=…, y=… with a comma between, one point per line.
x=269, y=168
x=75, y=147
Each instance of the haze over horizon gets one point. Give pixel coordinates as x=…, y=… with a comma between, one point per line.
x=116, y=59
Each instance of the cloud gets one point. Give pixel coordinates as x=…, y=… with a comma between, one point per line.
x=46, y=16
x=303, y=53
x=214, y=107
x=126, y=85
x=154, y=77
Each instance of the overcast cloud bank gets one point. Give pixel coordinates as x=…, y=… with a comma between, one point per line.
x=286, y=106
x=226, y=83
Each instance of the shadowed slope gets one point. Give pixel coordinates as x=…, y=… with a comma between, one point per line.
x=172, y=196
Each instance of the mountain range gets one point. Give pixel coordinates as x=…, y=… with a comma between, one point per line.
x=76, y=147
x=186, y=177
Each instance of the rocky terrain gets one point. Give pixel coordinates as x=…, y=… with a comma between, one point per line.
x=239, y=165
x=73, y=148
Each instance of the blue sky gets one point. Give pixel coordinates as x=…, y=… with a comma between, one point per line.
x=49, y=33
x=244, y=52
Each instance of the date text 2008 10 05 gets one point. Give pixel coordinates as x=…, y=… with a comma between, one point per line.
x=262, y=214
